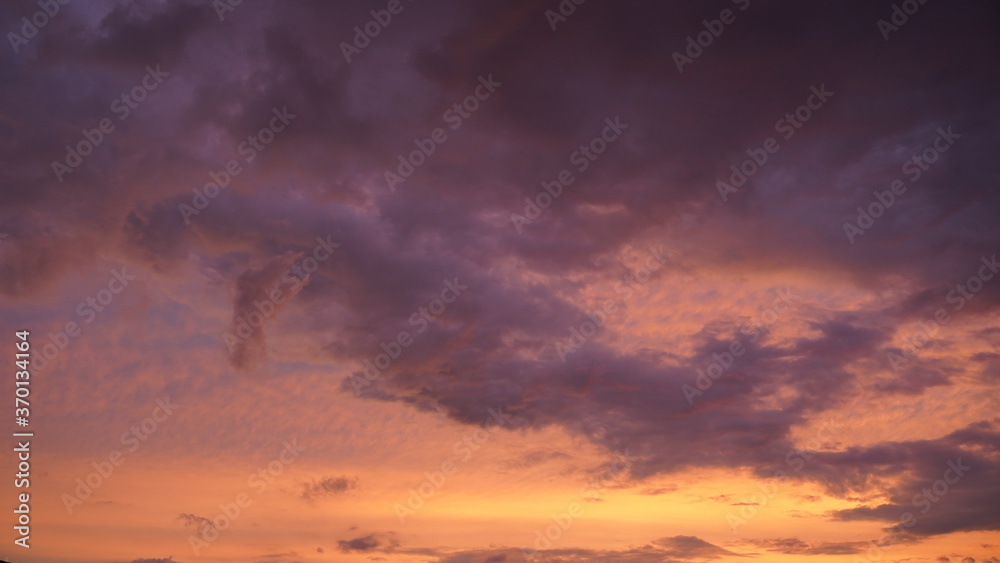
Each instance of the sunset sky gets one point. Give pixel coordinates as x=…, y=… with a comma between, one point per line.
x=496, y=281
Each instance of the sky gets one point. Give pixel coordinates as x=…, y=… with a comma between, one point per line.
x=548, y=281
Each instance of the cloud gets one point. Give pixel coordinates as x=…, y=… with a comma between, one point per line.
x=197, y=522
x=691, y=547
x=674, y=549
x=965, y=504
x=328, y=486
x=531, y=459
x=659, y=490
x=253, y=287
x=795, y=546
x=374, y=542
